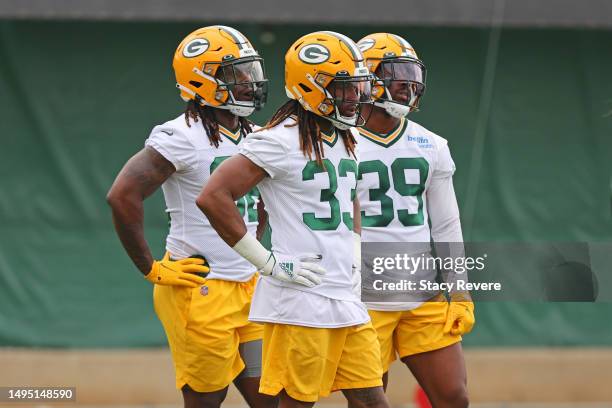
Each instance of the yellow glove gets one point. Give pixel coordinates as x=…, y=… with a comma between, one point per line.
x=177, y=273
x=459, y=318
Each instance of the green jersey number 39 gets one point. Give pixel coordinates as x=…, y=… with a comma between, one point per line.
x=400, y=185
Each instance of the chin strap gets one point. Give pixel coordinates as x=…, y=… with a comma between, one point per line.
x=340, y=125
x=237, y=109
x=395, y=109
x=343, y=122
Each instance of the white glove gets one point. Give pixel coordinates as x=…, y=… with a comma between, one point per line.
x=357, y=265
x=303, y=270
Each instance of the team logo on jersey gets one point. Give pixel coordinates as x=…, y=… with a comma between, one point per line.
x=314, y=54
x=196, y=47
x=287, y=267
x=366, y=44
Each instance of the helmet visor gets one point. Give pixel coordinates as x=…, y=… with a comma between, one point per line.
x=404, y=79
x=348, y=95
x=246, y=81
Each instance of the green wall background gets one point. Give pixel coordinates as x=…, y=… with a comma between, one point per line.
x=77, y=99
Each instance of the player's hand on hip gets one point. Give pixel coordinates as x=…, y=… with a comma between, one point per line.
x=303, y=270
x=177, y=273
x=459, y=318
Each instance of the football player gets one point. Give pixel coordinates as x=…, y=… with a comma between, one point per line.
x=405, y=177
x=204, y=312
x=317, y=334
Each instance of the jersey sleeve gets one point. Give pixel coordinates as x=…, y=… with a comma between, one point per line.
x=174, y=145
x=441, y=200
x=267, y=152
x=446, y=226
x=445, y=166
x=443, y=211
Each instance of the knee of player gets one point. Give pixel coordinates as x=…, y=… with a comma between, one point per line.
x=367, y=398
x=197, y=399
x=455, y=395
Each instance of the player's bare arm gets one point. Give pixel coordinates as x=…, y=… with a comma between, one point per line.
x=233, y=179
x=137, y=180
x=262, y=219
x=356, y=216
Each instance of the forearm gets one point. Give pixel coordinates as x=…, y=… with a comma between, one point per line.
x=356, y=217
x=222, y=213
x=262, y=219
x=224, y=217
x=231, y=180
x=138, y=179
x=128, y=218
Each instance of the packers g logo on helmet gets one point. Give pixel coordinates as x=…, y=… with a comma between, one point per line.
x=314, y=54
x=195, y=47
x=366, y=44
x=217, y=66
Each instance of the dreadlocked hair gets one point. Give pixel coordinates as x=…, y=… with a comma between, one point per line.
x=195, y=111
x=310, y=139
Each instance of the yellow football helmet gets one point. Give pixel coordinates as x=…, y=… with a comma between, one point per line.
x=217, y=66
x=395, y=64
x=325, y=73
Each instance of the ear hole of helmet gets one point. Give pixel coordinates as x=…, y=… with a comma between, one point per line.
x=305, y=88
x=195, y=84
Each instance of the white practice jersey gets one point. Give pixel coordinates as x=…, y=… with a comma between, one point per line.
x=310, y=211
x=399, y=174
x=193, y=156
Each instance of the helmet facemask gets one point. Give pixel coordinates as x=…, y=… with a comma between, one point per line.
x=399, y=85
x=241, y=85
x=344, y=98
